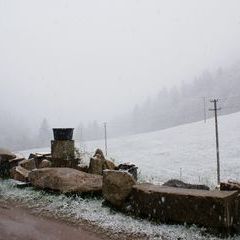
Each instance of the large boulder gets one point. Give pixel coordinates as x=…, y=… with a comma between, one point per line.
x=212, y=209
x=99, y=153
x=5, y=166
x=28, y=164
x=6, y=155
x=65, y=180
x=230, y=186
x=96, y=166
x=130, y=168
x=19, y=173
x=15, y=161
x=180, y=184
x=98, y=163
x=117, y=186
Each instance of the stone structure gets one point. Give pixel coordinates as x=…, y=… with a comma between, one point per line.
x=212, y=209
x=63, y=151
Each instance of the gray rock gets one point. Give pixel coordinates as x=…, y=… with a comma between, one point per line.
x=38, y=157
x=5, y=166
x=107, y=164
x=130, y=168
x=15, y=161
x=98, y=163
x=99, y=153
x=96, y=166
x=66, y=180
x=212, y=209
x=180, y=184
x=117, y=186
x=6, y=155
x=19, y=173
x=230, y=186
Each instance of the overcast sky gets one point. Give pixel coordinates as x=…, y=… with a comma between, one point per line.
x=72, y=61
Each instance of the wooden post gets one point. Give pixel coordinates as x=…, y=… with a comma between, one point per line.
x=105, y=137
x=204, y=110
x=215, y=109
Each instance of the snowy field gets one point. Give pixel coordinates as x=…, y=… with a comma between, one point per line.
x=160, y=156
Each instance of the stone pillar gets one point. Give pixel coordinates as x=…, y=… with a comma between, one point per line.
x=63, y=153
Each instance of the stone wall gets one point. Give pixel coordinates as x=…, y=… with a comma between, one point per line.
x=214, y=209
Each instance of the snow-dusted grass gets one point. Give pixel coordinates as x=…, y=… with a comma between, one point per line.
x=91, y=210
x=160, y=156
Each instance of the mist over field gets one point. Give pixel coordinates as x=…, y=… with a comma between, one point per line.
x=139, y=66
x=119, y=119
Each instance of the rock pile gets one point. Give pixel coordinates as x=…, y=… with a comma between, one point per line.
x=98, y=163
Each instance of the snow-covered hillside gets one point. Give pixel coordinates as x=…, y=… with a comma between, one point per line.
x=160, y=155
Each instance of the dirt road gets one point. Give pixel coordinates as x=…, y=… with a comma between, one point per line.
x=18, y=223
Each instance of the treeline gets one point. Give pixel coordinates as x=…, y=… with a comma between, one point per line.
x=170, y=107
x=15, y=135
x=184, y=104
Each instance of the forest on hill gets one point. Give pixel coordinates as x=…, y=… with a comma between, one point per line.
x=179, y=105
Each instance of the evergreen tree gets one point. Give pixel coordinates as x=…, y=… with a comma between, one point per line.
x=44, y=135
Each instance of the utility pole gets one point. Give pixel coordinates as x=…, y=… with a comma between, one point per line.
x=105, y=137
x=215, y=109
x=204, y=110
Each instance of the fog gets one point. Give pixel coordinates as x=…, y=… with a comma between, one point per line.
x=77, y=61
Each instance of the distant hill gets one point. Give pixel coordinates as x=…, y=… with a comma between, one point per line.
x=188, y=150
x=176, y=106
